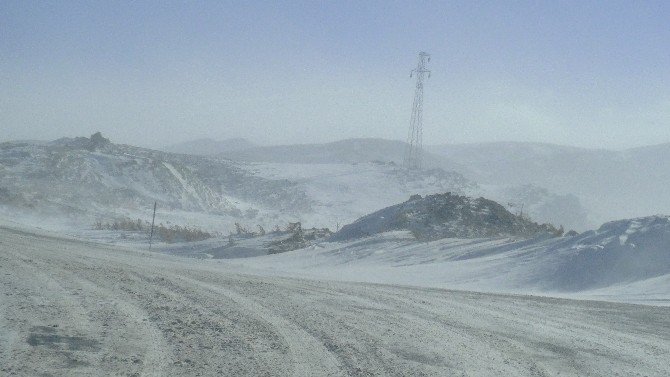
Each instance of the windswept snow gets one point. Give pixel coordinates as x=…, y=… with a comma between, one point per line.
x=593, y=263
x=341, y=193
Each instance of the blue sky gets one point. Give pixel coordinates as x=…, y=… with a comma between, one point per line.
x=592, y=74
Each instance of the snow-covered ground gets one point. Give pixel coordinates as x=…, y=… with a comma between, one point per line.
x=626, y=261
x=68, y=184
x=69, y=307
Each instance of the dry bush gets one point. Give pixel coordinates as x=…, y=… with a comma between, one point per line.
x=169, y=234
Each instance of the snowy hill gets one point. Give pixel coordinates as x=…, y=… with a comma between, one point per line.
x=209, y=147
x=626, y=260
x=341, y=193
x=610, y=184
x=327, y=171
x=560, y=207
x=444, y=216
x=90, y=178
x=87, y=179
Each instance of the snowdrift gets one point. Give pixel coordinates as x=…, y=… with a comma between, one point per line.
x=618, y=252
x=627, y=260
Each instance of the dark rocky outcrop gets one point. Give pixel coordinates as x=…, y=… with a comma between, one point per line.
x=445, y=215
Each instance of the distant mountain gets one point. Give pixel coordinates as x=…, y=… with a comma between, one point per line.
x=209, y=147
x=611, y=184
x=347, y=151
x=444, y=216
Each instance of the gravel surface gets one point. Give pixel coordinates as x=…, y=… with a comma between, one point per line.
x=69, y=307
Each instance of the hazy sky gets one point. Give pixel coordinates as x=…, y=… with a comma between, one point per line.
x=152, y=73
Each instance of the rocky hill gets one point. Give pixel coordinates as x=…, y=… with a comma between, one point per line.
x=445, y=215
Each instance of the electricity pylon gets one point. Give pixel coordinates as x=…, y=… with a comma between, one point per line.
x=414, y=149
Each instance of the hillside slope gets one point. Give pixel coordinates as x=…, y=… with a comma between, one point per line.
x=86, y=179
x=560, y=207
x=341, y=193
x=89, y=178
x=625, y=260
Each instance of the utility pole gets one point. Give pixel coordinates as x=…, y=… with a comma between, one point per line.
x=414, y=149
x=153, y=219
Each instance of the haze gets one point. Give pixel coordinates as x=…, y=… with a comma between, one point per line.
x=589, y=74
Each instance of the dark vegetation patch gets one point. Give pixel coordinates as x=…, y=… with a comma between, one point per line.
x=169, y=234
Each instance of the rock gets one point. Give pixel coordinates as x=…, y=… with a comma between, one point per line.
x=97, y=141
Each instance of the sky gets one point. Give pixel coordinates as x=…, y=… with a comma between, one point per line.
x=591, y=74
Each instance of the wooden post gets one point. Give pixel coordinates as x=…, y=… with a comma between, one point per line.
x=153, y=219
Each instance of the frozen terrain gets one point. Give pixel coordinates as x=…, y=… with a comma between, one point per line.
x=344, y=192
x=80, y=181
x=78, y=308
x=627, y=260
x=76, y=182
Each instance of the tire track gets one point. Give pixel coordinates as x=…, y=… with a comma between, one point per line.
x=309, y=356
x=234, y=324
x=156, y=356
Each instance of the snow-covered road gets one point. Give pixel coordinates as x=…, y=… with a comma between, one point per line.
x=69, y=307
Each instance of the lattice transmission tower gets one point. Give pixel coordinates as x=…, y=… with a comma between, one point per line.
x=414, y=151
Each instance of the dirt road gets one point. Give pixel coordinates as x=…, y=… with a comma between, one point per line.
x=69, y=307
